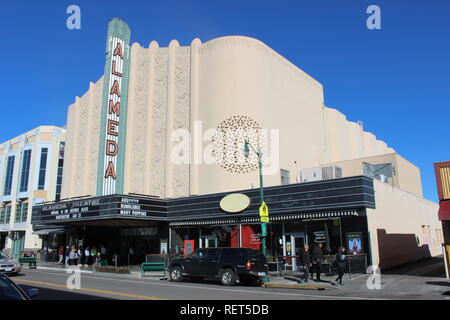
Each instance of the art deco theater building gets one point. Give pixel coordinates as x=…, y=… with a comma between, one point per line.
x=157, y=142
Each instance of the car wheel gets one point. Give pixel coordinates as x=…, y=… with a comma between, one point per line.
x=227, y=277
x=176, y=274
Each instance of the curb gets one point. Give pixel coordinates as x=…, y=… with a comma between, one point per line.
x=132, y=274
x=293, y=286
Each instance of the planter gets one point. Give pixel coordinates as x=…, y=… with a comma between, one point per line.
x=111, y=269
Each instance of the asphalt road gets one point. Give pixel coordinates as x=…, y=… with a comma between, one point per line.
x=52, y=286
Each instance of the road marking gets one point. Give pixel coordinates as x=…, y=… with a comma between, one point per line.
x=166, y=283
x=129, y=295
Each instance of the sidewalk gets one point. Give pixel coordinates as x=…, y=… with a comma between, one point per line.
x=287, y=281
x=135, y=270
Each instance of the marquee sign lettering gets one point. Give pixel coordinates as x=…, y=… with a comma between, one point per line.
x=112, y=142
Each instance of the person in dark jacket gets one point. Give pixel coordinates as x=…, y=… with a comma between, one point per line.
x=305, y=261
x=340, y=262
x=316, y=260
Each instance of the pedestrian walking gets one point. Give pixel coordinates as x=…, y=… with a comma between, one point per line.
x=61, y=254
x=340, y=263
x=67, y=252
x=317, y=259
x=305, y=261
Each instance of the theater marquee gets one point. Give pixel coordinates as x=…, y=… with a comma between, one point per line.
x=114, y=109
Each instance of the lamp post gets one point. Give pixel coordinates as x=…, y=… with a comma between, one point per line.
x=261, y=190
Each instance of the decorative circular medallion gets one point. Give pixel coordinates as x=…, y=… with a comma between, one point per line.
x=228, y=144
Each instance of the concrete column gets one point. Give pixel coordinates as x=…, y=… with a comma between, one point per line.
x=195, y=148
x=173, y=46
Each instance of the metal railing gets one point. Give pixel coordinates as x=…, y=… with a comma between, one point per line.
x=290, y=265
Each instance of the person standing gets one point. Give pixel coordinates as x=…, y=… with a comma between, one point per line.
x=87, y=255
x=340, y=262
x=130, y=256
x=80, y=255
x=73, y=256
x=317, y=259
x=94, y=256
x=305, y=261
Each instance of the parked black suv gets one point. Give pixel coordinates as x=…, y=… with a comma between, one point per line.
x=227, y=264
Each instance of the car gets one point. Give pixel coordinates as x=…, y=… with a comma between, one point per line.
x=8, y=265
x=11, y=291
x=229, y=265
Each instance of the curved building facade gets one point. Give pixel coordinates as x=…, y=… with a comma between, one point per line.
x=195, y=88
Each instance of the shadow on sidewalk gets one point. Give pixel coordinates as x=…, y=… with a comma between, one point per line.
x=428, y=267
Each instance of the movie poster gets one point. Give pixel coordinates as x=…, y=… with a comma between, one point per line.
x=354, y=242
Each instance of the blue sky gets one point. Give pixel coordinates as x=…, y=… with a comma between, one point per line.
x=396, y=80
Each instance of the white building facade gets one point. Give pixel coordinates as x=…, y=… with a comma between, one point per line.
x=30, y=173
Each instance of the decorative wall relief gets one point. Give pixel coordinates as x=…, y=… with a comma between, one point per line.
x=139, y=114
x=228, y=144
x=158, y=122
x=180, y=173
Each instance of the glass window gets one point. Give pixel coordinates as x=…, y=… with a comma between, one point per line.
x=42, y=169
x=21, y=212
x=25, y=171
x=60, y=171
x=285, y=176
x=228, y=253
x=9, y=176
x=5, y=214
x=212, y=253
x=200, y=253
x=8, y=291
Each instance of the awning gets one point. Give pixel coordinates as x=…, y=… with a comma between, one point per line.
x=45, y=232
x=444, y=210
x=273, y=218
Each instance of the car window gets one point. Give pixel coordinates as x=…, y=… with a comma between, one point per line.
x=212, y=254
x=199, y=253
x=229, y=253
x=8, y=291
x=4, y=256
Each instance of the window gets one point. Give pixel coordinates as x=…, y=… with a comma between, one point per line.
x=25, y=171
x=60, y=171
x=212, y=254
x=5, y=214
x=199, y=253
x=9, y=176
x=21, y=212
x=285, y=176
x=42, y=169
x=228, y=253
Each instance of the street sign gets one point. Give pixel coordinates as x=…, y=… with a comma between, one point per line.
x=264, y=212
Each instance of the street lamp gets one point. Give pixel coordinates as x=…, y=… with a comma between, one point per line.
x=261, y=190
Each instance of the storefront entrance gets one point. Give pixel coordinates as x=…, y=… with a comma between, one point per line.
x=208, y=242
x=18, y=243
x=293, y=244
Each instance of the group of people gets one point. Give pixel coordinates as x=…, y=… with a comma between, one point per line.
x=89, y=256
x=311, y=260
x=82, y=256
